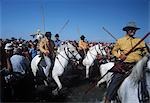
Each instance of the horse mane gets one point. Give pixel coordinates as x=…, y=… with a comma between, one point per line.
x=64, y=45
x=61, y=47
x=137, y=71
x=91, y=48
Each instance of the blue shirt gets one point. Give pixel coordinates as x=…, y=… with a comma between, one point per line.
x=19, y=63
x=33, y=52
x=57, y=43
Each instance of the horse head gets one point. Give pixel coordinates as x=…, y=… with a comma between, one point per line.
x=97, y=50
x=139, y=68
x=72, y=52
x=93, y=52
x=39, y=36
x=101, y=49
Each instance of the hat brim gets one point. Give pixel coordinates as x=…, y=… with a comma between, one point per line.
x=127, y=28
x=8, y=48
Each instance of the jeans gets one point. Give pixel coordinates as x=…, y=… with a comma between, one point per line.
x=114, y=85
x=48, y=65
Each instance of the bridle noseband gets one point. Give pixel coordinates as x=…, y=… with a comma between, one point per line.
x=67, y=54
x=97, y=51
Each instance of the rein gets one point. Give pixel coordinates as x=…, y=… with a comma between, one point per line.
x=67, y=56
x=98, y=53
x=74, y=56
x=103, y=54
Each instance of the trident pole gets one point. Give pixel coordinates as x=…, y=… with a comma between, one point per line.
x=43, y=17
x=63, y=26
x=109, y=33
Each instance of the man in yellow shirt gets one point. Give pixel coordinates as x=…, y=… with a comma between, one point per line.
x=83, y=46
x=121, y=47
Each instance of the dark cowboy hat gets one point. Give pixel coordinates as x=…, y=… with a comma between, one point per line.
x=130, y=26
x=82, y=36
x=56, y=35
x=48, y=34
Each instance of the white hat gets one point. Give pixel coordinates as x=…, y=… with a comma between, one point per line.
x=9, y=46
x=20, y=45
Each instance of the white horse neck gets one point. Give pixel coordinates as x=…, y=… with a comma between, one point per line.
x=137, y=71
x=92, y=52
x=91, y=56
x=62, y=55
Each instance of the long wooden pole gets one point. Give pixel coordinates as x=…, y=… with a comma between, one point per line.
x=63, y=26
x=43, y=17
x=109, y=33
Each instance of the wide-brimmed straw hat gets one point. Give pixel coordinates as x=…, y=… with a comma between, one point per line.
x=130, y=26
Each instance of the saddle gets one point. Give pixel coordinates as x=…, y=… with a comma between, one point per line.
x=122, y=67
x=41, y=65
x=40, y=72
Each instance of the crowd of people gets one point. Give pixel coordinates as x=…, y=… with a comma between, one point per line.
x=16, y=56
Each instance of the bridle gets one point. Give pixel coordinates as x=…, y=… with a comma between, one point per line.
x=67, y=54
x=97, y=52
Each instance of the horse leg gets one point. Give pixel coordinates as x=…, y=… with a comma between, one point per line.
x=57, y=81
x=87, y=71
x=102, y=72
x=46, y=71
x=100, y=82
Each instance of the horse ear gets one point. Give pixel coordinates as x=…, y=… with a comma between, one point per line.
x=66, y=48
x=68, y=44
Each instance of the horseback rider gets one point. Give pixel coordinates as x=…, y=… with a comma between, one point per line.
x=46, y=47
x=83, y=46
x=57, y=41
x=121, y=47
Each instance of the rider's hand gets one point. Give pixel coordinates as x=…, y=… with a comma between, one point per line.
x=123, y=57
x=8, y=54
x=46, y=53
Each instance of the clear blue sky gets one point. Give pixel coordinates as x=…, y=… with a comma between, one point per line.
x=20, y=18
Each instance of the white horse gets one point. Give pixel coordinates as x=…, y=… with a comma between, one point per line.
x=128, y=91
x=91, y=56
x=36, y=60
x=63, y=56
x=103, y=70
